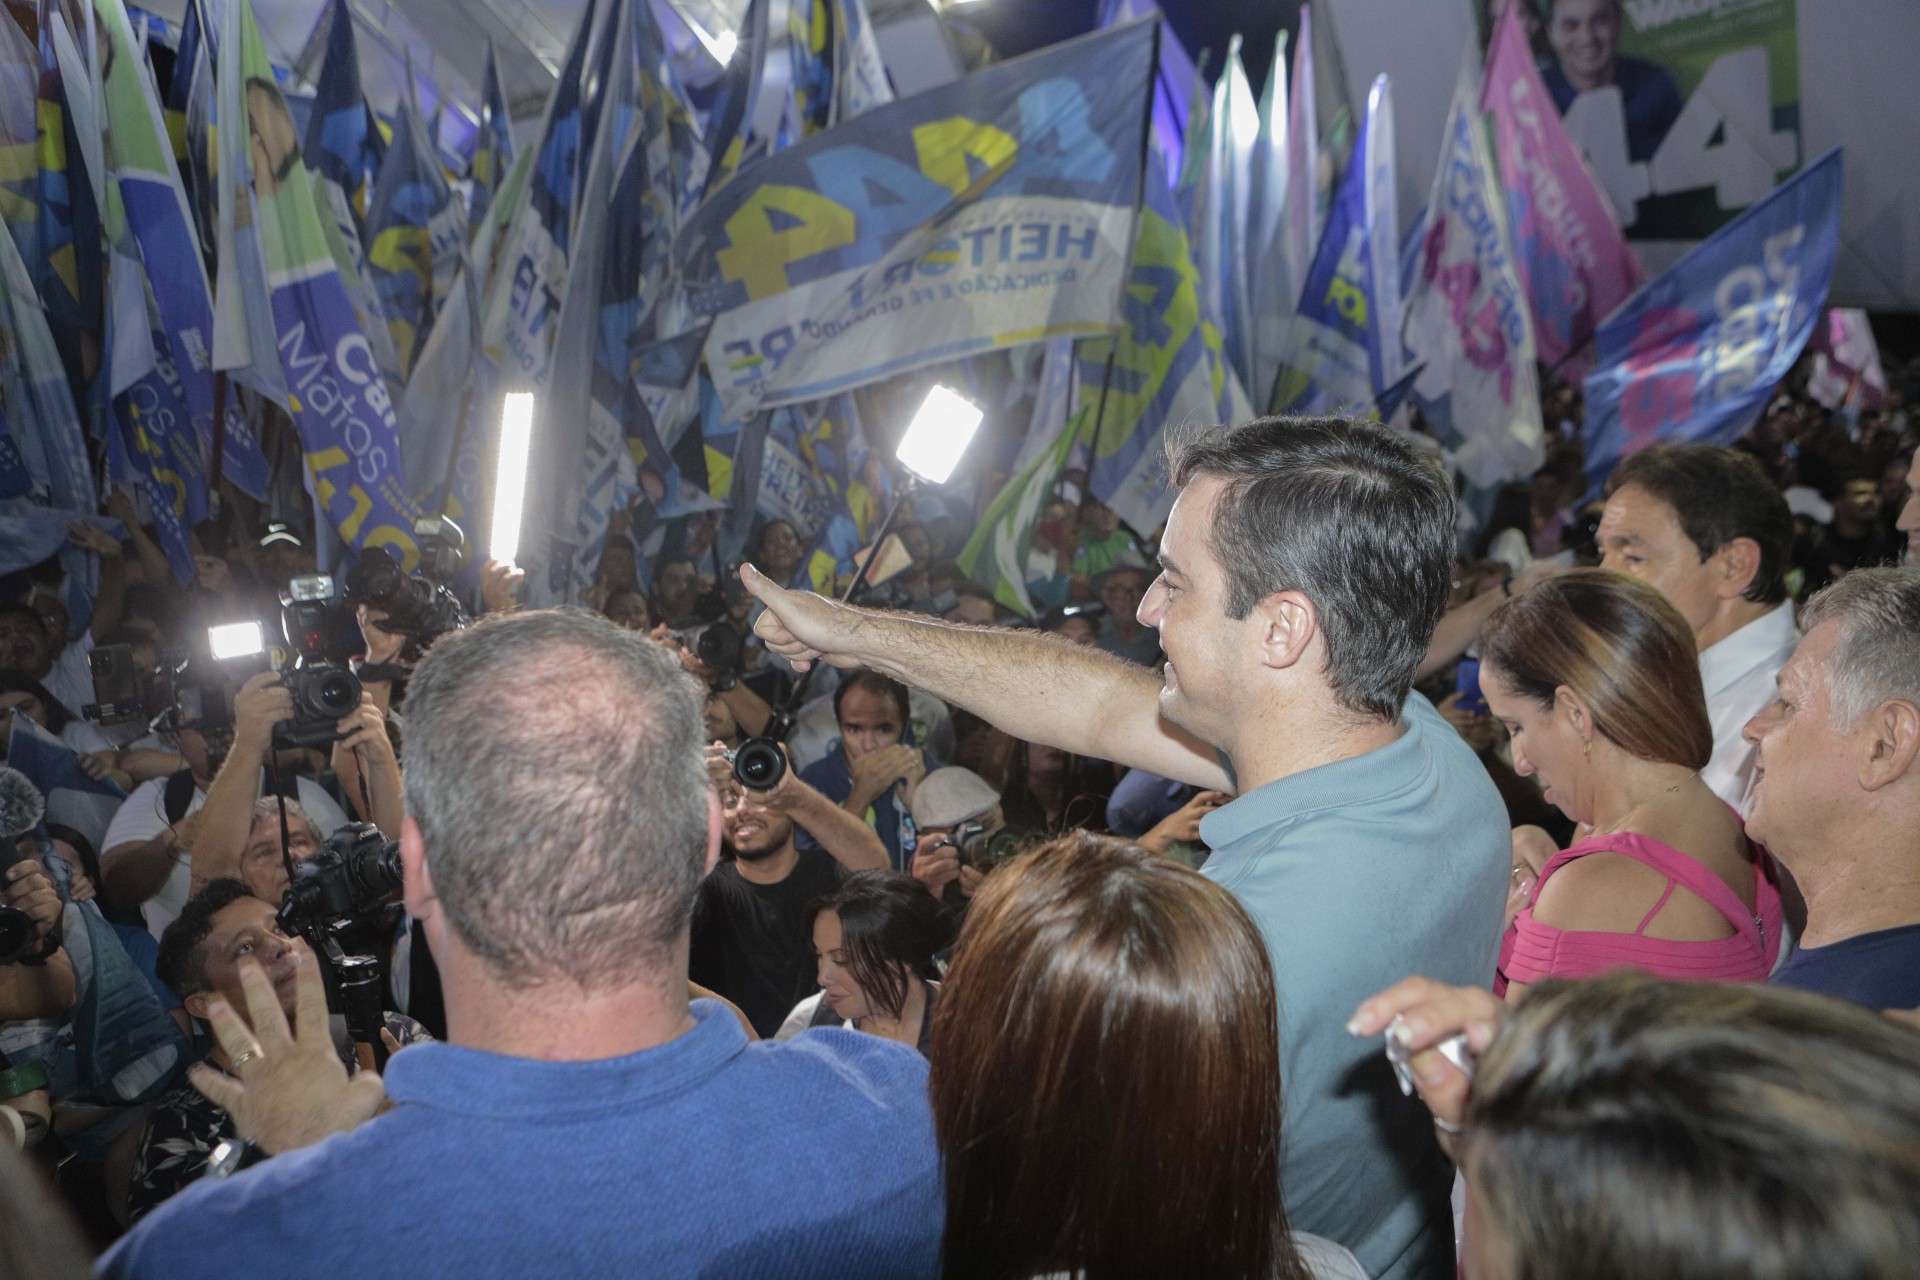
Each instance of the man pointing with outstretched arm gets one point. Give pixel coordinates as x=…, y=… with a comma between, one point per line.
x=1303, y=568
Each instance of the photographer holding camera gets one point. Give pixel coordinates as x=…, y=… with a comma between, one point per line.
x=585, y=1119
x=148, y=862
x=750, y=938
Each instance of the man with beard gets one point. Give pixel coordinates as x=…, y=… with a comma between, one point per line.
x=750, y=941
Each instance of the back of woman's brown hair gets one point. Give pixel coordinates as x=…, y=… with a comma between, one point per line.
x=1106, y=1076
x=1621, y=646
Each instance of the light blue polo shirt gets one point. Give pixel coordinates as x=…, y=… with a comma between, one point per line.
x=1360, y=873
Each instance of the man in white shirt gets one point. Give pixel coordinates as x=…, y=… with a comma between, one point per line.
x=1708, y=528
x=145, y=860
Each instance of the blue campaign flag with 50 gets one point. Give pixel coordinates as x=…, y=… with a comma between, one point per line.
x=994, y=210
x=1695, y=353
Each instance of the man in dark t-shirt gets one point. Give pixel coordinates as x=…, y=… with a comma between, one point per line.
x=1836, y=795
x=750, y=943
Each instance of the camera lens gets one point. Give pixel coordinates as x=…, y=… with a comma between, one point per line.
x=16, y=934
x=719, y=647
x=759, y=764
x=334, y=693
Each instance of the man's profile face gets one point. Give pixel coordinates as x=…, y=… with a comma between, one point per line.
x=1585, y=35
x=869, y=721
x=246, y=927
x=1640, y=535
x=262, y=869
x=750, y=830
x=1187, y=604
x=1803, y=764
x=1909, y=521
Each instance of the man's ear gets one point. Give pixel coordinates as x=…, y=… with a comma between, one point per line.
x=1890, y=740
x=1288, y=624
x=417, y=881
x=1738, y=564
x=714, y=827
x=196, y=1004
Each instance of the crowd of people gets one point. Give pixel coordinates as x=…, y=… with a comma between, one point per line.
x=1311, y=891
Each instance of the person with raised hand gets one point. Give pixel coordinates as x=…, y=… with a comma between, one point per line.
x=1302, y=570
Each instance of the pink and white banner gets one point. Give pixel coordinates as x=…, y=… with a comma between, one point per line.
x=1576, y=264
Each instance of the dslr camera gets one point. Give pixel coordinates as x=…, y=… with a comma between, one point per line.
x=322, y=689
x=418, y=605
x=983, y=849
x=354, y=873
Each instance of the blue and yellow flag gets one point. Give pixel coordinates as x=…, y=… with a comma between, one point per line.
x=68, y=265
x=342, y=144
x=989, y=212
x=416, y=230
x=493, y=144
x=1168, y=369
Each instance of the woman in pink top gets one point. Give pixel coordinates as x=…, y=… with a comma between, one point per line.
x=1596, y=678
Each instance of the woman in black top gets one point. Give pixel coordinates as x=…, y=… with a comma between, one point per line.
x=874, y=940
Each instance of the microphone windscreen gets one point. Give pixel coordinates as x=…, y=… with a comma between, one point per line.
x=21, y=805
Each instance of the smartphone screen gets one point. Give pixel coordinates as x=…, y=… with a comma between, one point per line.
x=1468, y=683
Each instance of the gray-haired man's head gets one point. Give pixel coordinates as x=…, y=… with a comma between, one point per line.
x=556, y=773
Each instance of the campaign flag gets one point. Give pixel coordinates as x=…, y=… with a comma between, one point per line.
x=1195, y=147
x=19, y=131
x=1174, y=80
x=244, y=340
x=1271, y=289
x=522, y=318
x=416, y=231
x=731, y=136
x=1576, y=265
x=996, y=554
x=493, y=143
x=15, y=481
x=1694, y=354
x=35, y=396
x=1052, y=395
x=187, y=56
x=73, y=799
x=1343, y=349
x=147, y=181
x=67, y=264
x=1466, y=311
x=860, y=77
x=810, y=51
x=440, y=400
x=1303, y=169
x=672, y=463
x=991, y=211
x=1846, y=361
x=341, y=140
x=155, y=433
x=1223, y=209
x=1167, y=371
x=819, y=475
x=339, y=401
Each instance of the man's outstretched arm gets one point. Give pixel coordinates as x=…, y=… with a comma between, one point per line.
x=1038, y=688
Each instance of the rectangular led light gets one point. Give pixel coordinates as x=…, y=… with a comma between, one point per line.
x=510, y=477
x=938, y=435
x=235, y=640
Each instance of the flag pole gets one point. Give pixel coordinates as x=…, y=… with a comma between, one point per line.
x=219, y=442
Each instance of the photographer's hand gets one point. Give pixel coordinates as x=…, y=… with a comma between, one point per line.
x=1182, y=826
x=289, y=1089
x=936, y=864
x=364, y=751
x=383, y=646
x=498, y=583
x=261, y=704
x=30, y=889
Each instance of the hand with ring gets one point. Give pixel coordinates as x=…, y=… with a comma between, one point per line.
x=289, y=1088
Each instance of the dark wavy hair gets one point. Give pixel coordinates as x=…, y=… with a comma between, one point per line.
x=890, y=927
x=181, y=964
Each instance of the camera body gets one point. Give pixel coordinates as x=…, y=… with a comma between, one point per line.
x=716, y=644
x=322, y=689
x=16, y=935
x=419, y=605
x=352, y=874
x=983, y=849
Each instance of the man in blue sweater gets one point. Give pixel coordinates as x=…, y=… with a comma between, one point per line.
x=583, y=1118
